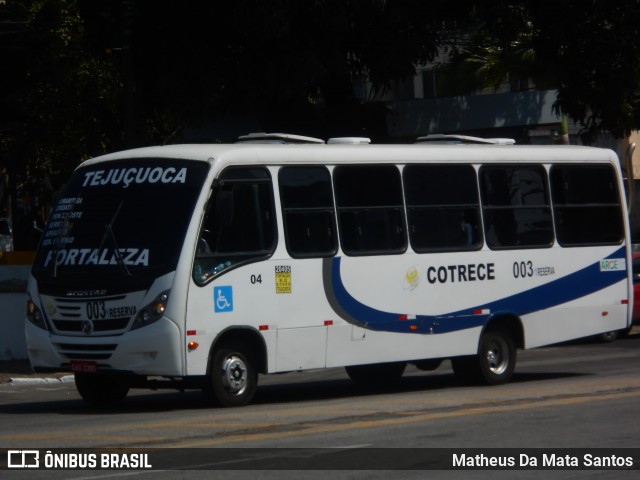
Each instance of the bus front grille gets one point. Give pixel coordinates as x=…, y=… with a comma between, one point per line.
x=86, y=352
x=88, y=315
x=75, y=326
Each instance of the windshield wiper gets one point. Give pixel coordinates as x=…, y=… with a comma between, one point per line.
x=108, y=232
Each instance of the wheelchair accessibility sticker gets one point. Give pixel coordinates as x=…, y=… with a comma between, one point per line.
x=223, y=299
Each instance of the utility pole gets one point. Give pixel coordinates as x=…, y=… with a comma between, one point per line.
x=130, y=130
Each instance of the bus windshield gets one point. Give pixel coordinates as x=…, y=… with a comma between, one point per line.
x=124, y=218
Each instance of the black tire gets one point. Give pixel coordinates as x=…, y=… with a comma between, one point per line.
x=428, y=365
x=608, y=337
x=494, y=363
x=101, y=389
x=233, y=378
x=380, y=374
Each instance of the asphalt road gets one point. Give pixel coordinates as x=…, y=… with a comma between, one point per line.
x=581, y=395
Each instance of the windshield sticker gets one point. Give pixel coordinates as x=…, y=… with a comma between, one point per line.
x=60, y=224
x=127, y=176
x=95, y=256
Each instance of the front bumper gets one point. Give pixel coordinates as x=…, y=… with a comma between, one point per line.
x=152, y=350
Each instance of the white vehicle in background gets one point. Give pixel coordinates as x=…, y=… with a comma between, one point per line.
x=200, y=266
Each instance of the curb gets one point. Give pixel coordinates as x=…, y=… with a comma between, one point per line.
x=40, y=381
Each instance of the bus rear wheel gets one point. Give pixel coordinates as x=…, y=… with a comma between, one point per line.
x=233, y=379
x=100, y=389
x=494, y=363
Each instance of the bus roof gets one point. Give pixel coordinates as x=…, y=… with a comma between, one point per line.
x=363, y=153
x=464, y=139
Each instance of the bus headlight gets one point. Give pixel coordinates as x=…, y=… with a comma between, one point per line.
x=152, y=312
x=35, y=315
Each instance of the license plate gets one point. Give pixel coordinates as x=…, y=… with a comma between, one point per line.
x=79, y=366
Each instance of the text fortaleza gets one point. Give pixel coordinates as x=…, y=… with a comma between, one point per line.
x=94, y=256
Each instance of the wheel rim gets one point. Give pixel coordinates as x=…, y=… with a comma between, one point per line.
x=234, y=375
x=496, y=356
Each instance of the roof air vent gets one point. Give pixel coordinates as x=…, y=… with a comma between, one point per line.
x=262, y=137
x=349, y=141
x=463, y=139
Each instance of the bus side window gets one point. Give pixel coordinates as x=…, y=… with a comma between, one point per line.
x=586, y=204
x=307, y=209
x=370, y=209
x=238, y=226
x=515, y=201
x=443, y=209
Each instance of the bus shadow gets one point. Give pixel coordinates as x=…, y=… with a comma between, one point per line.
x=341, y=389
x=148, y=402
x=527, y=377
x=271, y=394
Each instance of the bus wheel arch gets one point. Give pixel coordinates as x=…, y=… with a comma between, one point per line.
x=235, y=359
x=495, y=360
x=509, y=323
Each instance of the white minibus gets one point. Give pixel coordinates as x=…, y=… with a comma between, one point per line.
x=202, y=266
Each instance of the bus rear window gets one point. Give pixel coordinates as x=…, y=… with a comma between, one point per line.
x=586, y=205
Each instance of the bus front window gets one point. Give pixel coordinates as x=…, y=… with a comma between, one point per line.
x=105, y=227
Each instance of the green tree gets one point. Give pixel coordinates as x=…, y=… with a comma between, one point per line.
x=587, y=50
x=83, y=77
x=59, y=101
x=63, y=96
x=290, y=62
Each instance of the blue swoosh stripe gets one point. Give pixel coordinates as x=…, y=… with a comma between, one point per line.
x=573, y=286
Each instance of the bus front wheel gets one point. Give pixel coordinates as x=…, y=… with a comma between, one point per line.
x=233, y=378
x=98, y=389
x=492, y=365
